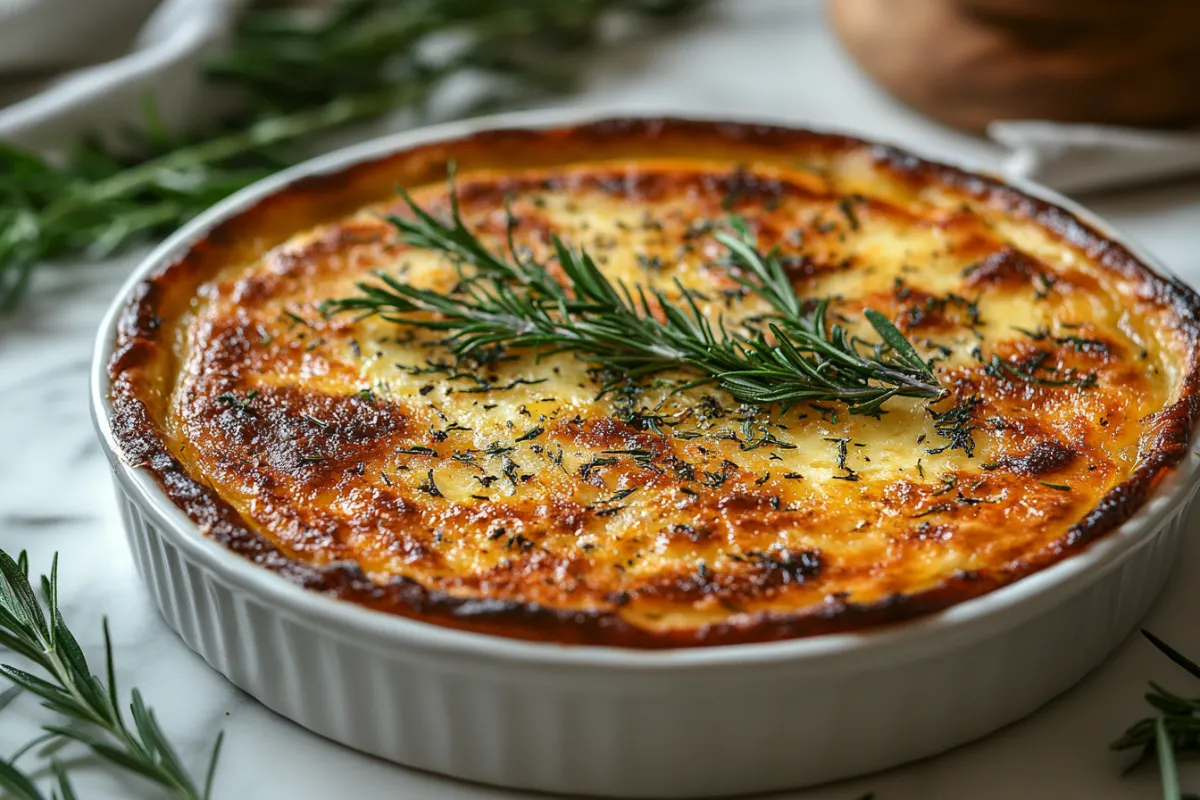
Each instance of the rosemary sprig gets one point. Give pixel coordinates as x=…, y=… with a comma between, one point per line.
x=300, y=78
x=68, y=687
x=510, y=300
x=1173, y=731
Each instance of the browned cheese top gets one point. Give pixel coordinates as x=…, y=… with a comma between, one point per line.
x=513, y=497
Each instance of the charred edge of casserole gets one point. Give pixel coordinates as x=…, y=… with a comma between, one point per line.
x=1164, y=444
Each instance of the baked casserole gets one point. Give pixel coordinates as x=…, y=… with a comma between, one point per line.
x=527, y=492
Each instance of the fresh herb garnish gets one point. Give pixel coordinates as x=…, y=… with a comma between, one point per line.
x=429, y=486
x=586, y=470
x=416, y=450
x=320, y=423
x=530, y=434
x=846, y=206
x=842, y=453
x=1079, y=343
x=36, y=630
x=512, y=301
x=1028, y=370
x=639, y=454
x=240, y=403
x=618, y=495
x=956, y=425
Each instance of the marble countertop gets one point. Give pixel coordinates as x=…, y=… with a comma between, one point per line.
x=750, y=57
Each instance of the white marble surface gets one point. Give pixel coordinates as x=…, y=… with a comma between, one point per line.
x=752, y=56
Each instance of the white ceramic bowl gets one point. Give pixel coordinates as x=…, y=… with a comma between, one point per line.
x=607, y=721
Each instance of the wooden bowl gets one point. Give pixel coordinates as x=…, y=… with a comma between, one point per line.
x=968, y=62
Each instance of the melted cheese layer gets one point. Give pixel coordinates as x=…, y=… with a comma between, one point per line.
x=359, y=441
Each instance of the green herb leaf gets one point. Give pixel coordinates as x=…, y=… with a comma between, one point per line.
x=895, y=340
x=1166, y=760
x=16, y=784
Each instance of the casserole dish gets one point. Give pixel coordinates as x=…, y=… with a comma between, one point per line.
x=602, y=719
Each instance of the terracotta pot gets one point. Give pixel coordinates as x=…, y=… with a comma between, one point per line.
x=967, y=62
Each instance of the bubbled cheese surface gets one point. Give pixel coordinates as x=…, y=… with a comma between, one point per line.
x=517, y=480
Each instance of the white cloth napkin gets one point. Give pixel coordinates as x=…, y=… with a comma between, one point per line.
x=89, y=65
x=1083, y=158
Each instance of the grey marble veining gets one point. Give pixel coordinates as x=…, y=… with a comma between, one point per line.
x=752, y=56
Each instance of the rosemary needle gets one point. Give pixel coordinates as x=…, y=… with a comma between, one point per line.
x=1166, y=760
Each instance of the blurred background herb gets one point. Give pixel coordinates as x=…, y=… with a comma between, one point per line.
x=299, y=77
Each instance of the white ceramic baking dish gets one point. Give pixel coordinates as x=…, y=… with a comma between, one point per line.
x=607, y=721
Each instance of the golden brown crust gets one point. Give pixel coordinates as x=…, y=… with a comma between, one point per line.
x=244, y=414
